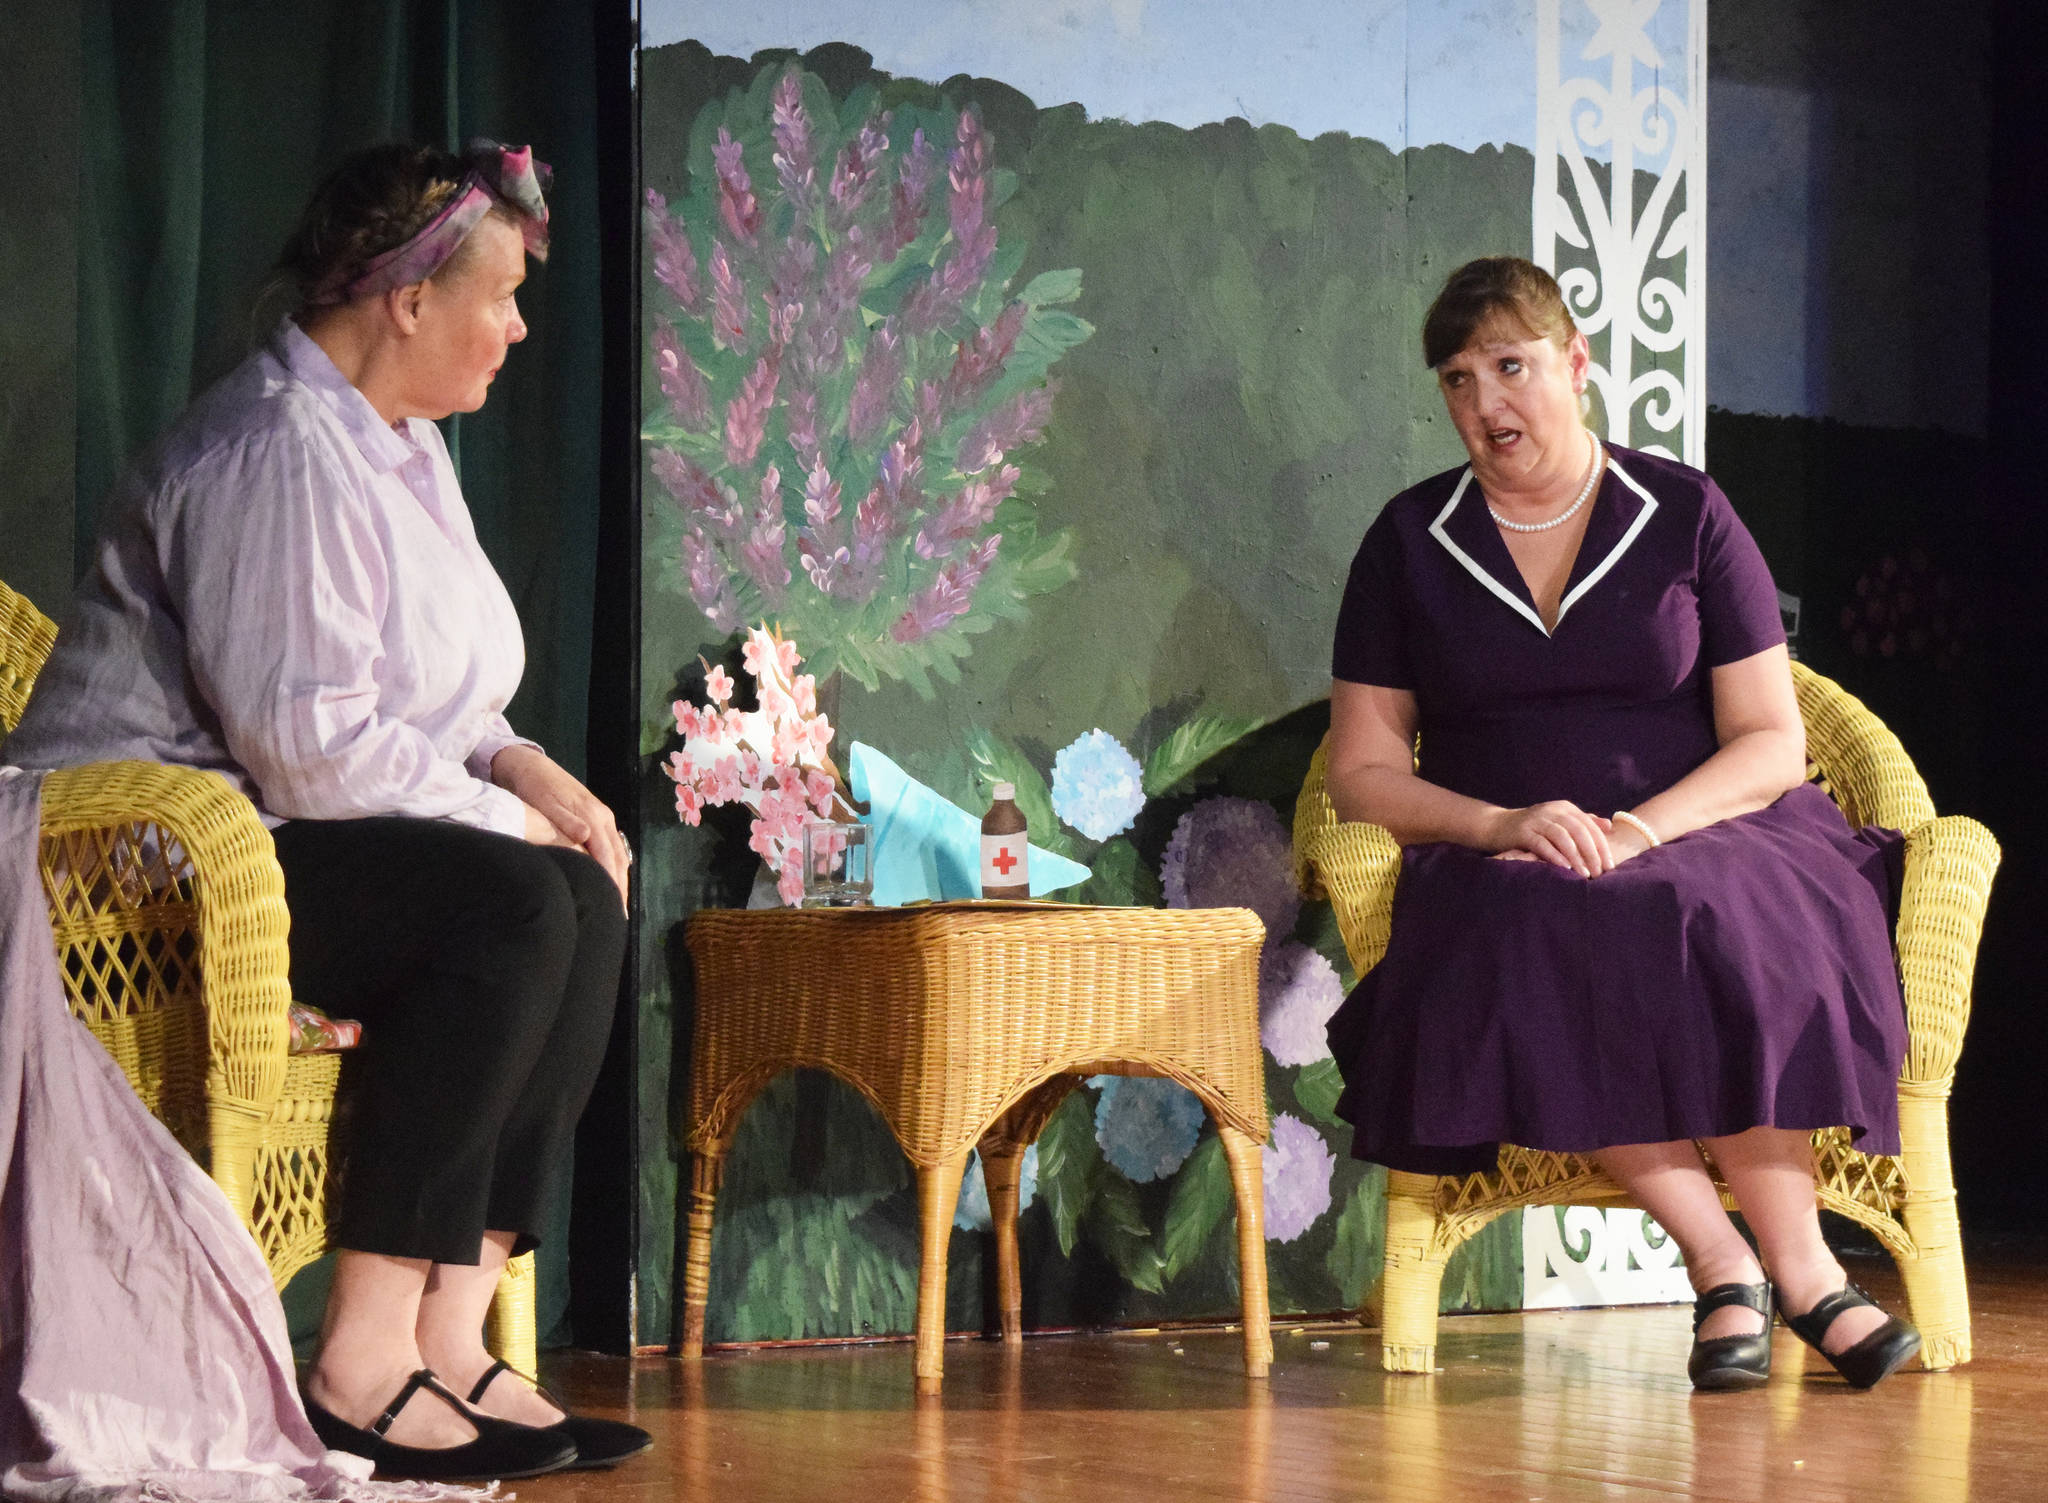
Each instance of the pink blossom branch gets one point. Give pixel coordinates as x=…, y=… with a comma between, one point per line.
x=915, y=174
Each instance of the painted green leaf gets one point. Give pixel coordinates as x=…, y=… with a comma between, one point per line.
x=1119, y=878
x=1000, y=762
x=1317, y=1088
x=1067, y=1160
x=1050, y=287
x=1116, y=1224
x=1202, y=1196
x=1359, y=1247
x=1192, y=744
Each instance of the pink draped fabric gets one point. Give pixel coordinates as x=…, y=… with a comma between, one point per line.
x=143, y=1353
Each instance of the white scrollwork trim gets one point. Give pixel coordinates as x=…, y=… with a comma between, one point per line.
x=1632, y=264
x=1583, y=1255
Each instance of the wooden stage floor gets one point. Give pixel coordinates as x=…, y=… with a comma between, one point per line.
x=1547, y=1406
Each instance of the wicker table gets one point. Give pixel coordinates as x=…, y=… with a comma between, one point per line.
x=966, y=1024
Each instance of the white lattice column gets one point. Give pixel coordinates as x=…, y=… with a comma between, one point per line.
x=1619, y=207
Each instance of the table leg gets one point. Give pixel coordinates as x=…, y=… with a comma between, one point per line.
x=706, y=1169
x=1248, y=1178
x=938, y=1196
x=1002, y=1166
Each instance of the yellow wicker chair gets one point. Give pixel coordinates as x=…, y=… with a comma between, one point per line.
x=168, y=910
x=1908, y=1202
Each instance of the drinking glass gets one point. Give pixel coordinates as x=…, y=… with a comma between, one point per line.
x=838, y=865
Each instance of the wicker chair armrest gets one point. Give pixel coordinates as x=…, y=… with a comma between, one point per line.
x=1865, y=766
x=1949, y=865
x=1358, y=865
x=237, y=894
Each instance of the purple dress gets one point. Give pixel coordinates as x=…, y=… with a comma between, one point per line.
x=1735, y=977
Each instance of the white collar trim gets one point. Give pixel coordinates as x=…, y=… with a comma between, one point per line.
x=1593, y=577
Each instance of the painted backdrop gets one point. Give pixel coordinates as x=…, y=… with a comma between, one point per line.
x=1046, y=431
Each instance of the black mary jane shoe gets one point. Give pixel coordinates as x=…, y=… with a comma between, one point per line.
x=598, y=1442
x=499, y=1453
x=1870, y=1361
x=1721, y=1362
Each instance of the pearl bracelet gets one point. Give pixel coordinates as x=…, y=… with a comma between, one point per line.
x=1642, y=826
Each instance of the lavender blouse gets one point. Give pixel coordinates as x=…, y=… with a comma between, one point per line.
x=288, y=591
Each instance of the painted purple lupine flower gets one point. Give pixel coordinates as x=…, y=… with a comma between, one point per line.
x=967, y=173
x=915, y=174
x=968, y=511
x=972, y=1212
x=934, y=302
x=704, y=499
x=1019, y=421
x=874, y=388
x=728, y=301
x=736, y=205
x=746, y=417
x=800, y=422
x=675, y=260
x=796, y=164
x=681, y=382
x=1298, y=991
x=1233, y=853
x=895, y=496
x=1298, y=1166
x=821, y=497
x=949, y=595
x=808, y=372
x=1146, y=1126
x=761, y=554
x=708, y=578
x=1097, y=786
x=979, y=360
x=789, y=281
x=855, y=173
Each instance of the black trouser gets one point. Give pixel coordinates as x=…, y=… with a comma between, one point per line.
x=484, y=971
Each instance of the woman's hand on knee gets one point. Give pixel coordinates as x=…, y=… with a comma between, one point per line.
x=1558, y=832
x=561, y=811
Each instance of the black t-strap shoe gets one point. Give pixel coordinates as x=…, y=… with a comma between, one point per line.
x=1731, y=1361
x=598, y=1442
x=1870, y=1361
x=499, y=1451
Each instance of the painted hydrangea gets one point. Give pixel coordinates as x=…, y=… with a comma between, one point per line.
x=1097, y=786
x=1298, y=990
x=1147, y=1127
x=972, y=1213
x=1298, y=1166
x=1233, y=853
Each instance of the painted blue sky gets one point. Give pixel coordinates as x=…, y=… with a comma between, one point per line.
x=1403, y=72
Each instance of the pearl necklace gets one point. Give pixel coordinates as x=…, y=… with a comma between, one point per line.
x=1586, y=490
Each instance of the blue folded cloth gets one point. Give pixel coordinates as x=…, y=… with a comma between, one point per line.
x=926, y=846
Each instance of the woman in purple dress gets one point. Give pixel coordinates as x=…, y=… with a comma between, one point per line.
x=1625, y=923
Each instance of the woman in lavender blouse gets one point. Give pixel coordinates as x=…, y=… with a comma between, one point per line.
x=1625, y=922
x=288, y=591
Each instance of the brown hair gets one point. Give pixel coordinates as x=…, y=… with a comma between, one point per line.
x=373, y=200
x=1491, y=290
